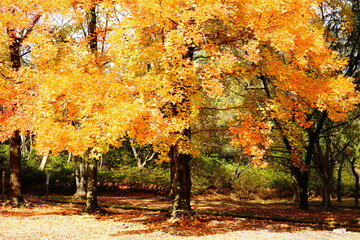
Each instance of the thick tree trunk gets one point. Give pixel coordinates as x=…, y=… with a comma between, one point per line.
x=91, y=194
x=15, y=192
x=326, y=193
x=79, y=177
x=16, y=198
x=303, y=176
x=303, y=181
x=180, y=183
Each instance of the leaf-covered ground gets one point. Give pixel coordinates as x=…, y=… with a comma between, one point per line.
x=217, y=217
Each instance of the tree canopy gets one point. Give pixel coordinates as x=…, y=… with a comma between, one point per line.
x=74, y=99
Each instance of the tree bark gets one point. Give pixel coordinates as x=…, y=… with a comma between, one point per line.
x=16, y=198
x=180, y=182
x=326, y=194
x=303, y=182
x=2, y=184
x=43, y=162
x=180, y=162
x=295, y=186
x=303, y=176
x=356, y=175
x=338, y=182
x=79, y=177
x=91, y=193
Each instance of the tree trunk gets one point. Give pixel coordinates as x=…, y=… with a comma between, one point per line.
x=2, y=184
x=43, y=162
x=16, y=198
x=91, y=194
x=180, y=183
x=303, y=176
x=303, y=181
x=326, y=195
x=338, y=182
x=356, y=175
x=79, y=177
x=295, y=186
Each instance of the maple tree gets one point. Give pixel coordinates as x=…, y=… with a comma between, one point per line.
x=199, y=44
x=339, y=19
x=18, y=22
x=143, y=70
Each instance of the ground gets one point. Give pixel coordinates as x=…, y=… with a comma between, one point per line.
x=217, y=217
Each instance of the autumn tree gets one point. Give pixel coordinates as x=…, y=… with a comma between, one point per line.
x=290, y=102
x=80, y=99
x=19, y=21
x=200, y=44
x=160, y=60
x=340, y=19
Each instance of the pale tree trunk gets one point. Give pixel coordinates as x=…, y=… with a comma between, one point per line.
x=79, y=177
x=142, y=156
x=43, y=162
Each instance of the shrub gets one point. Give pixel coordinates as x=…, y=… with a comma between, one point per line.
x=211, y=172
x=262, y=183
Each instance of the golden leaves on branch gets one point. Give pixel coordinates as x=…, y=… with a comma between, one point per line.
x=159, y=58
x=252, y=135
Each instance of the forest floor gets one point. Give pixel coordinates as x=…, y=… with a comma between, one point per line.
x=144, y=216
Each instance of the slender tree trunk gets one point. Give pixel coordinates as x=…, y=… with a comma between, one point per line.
x=16, y=198
x=79, y=177
x=91, y=193
x=43, y=162
x=338, y=182
x=356, y=175
x=180, y=183
x=2, y=184
x=295, y=185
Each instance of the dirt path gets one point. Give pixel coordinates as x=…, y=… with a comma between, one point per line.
x=60, y=227
x=47, y=220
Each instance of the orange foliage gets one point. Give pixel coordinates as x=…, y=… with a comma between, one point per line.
x=144, y=82
x=252, y=135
